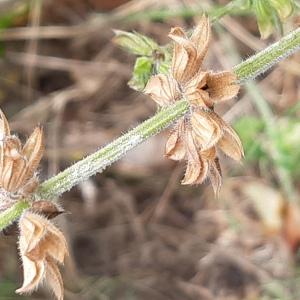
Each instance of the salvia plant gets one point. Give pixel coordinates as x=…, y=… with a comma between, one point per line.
x=186, y=95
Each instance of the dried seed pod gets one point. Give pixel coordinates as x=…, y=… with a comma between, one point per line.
x=47, y=209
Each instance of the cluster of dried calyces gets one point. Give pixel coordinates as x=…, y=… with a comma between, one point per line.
x=196, y=136
x=42, y=246
x=18, y=164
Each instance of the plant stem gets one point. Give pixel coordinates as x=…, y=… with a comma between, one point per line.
x=11, y=214
x=267, y=58
x=98, y=161
x=283, y=175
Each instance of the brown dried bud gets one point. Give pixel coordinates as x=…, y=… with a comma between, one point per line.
x=47, y=209
x=42, y=247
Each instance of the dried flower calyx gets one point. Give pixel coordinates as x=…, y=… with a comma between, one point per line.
x=42, y=248
x=18, y=164
x=198, y=134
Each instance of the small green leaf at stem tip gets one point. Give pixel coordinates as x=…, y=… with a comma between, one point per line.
x=144, y=68
x=141, y=73
x=135, y=42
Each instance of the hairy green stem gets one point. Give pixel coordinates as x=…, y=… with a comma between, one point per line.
x=10, y=215
x=98, y=161
x=267, y=58
x=283, y=176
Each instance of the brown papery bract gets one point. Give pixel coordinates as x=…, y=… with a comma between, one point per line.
x=200, y=132
x=42, y=247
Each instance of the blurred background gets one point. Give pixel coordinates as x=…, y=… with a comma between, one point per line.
x=134, y=232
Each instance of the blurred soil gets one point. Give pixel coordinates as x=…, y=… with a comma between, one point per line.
x=134, y=231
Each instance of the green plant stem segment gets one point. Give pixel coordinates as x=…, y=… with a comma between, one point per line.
x=283, y=176
x=11, y=214
x=267, y=58
x=98, y=161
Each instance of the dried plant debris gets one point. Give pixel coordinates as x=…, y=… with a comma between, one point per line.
x=42, y=246
x=196, y=137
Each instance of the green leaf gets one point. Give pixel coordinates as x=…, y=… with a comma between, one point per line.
x=271, y=13
x=141, y=73
x=135, y=43
x=284, y=8
x=145, y=67
x=165, y=62
x=264, y=14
